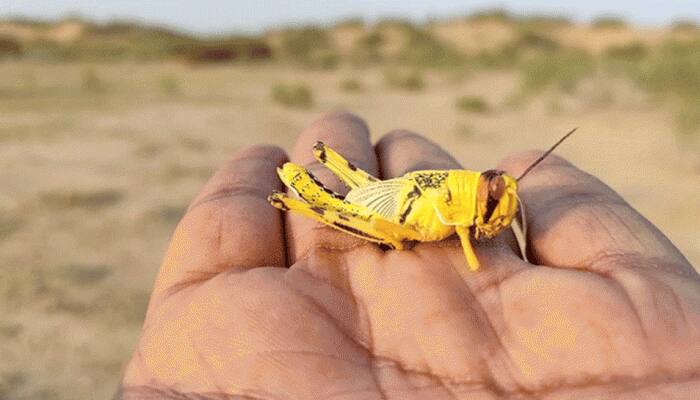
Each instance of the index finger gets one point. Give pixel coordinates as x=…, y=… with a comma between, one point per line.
x=229, y=224
x=348, y=135
x=576, y=221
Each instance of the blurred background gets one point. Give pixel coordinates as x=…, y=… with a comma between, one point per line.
x=114, y=113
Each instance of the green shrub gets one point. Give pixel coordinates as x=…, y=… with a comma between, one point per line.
x=367, y=50
x=9, y=224
x=561, y=70
x=293, y=95
x=502, y=57
x=688, y=117
x=540, y=21
x=673, y=70
x=472, y=104
x=532, y=39
x=81, y=199
x=91, y=81
x=684, y=25
x=351, y=85
x=404, y=80
x=527, y=42
x=634, y=51
x=351, y=22
x=310, y=47
x=493, y=14
x=223, y=49
x=9, y=48
x=169, y=85
x=421, y=48
x=608, y=22
x=464, y=130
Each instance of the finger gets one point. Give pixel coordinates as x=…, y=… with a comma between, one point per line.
x=348, y=135
x=576, y=221
x=229, y=224
x=403, y=151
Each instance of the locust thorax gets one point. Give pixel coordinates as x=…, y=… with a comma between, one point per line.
x=496, y=202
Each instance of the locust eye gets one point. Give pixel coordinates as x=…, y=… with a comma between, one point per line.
x=496, y=187
x=496, y=183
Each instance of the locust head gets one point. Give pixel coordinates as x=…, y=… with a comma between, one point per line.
x=496, y=201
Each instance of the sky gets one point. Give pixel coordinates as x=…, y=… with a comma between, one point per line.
x=218, y=16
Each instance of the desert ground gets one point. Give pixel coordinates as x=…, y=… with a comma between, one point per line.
x=98, y=161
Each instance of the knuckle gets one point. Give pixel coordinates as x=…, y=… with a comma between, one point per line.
x=398, y=135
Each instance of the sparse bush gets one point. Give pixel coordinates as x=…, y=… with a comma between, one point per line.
x=540, y=21
x=684, y=25
x=421, y=48
x=465, y=130
x=223, y=50
x=504, y=56
x=91, y=81
x=673, y=73
x=310, y=47
x=351, y=85
x=526, y=43
x=293, y=95
x=404, y=80
x=494, y=14
x=169, y=85
x=175, y=171
x=352, y=22
x=562, y=70
x=9, y=48
x=84, y=274
x=165, y=214
x=531, y=39
x=634, y=51
x=472, y=104
x=688, y=117
x=609, y=22
x=674, y=70
x=9, y=224
x=367, y=49
x=81, y=199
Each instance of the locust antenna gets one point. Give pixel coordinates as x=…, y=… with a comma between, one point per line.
x=551, y=149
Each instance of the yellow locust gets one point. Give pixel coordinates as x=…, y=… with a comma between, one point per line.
x=420, y=206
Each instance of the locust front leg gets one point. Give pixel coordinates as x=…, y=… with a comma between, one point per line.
x=464, y=237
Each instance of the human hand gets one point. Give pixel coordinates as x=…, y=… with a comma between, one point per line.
x=256, y=304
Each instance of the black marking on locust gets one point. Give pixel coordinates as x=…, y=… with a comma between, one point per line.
x=414, y=193
x=318, y=210
x=403, y=216
x=324, y=188
x=430, y=180
x=386, y=246
x=321, y=148
x=276, y=202
x=352, y=166
x=412, y=196
x=343, y=217
x=355, y=231
x=448, y=200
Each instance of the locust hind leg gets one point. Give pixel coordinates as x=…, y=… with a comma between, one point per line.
x=346, y=171
x=353, y=224
x=312, y=191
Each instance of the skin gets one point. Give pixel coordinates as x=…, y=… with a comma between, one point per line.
x=255, y=304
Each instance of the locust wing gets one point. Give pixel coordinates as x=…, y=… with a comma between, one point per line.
x=383, y=197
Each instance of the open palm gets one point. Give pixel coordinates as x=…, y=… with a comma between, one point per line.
x=250, y=303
